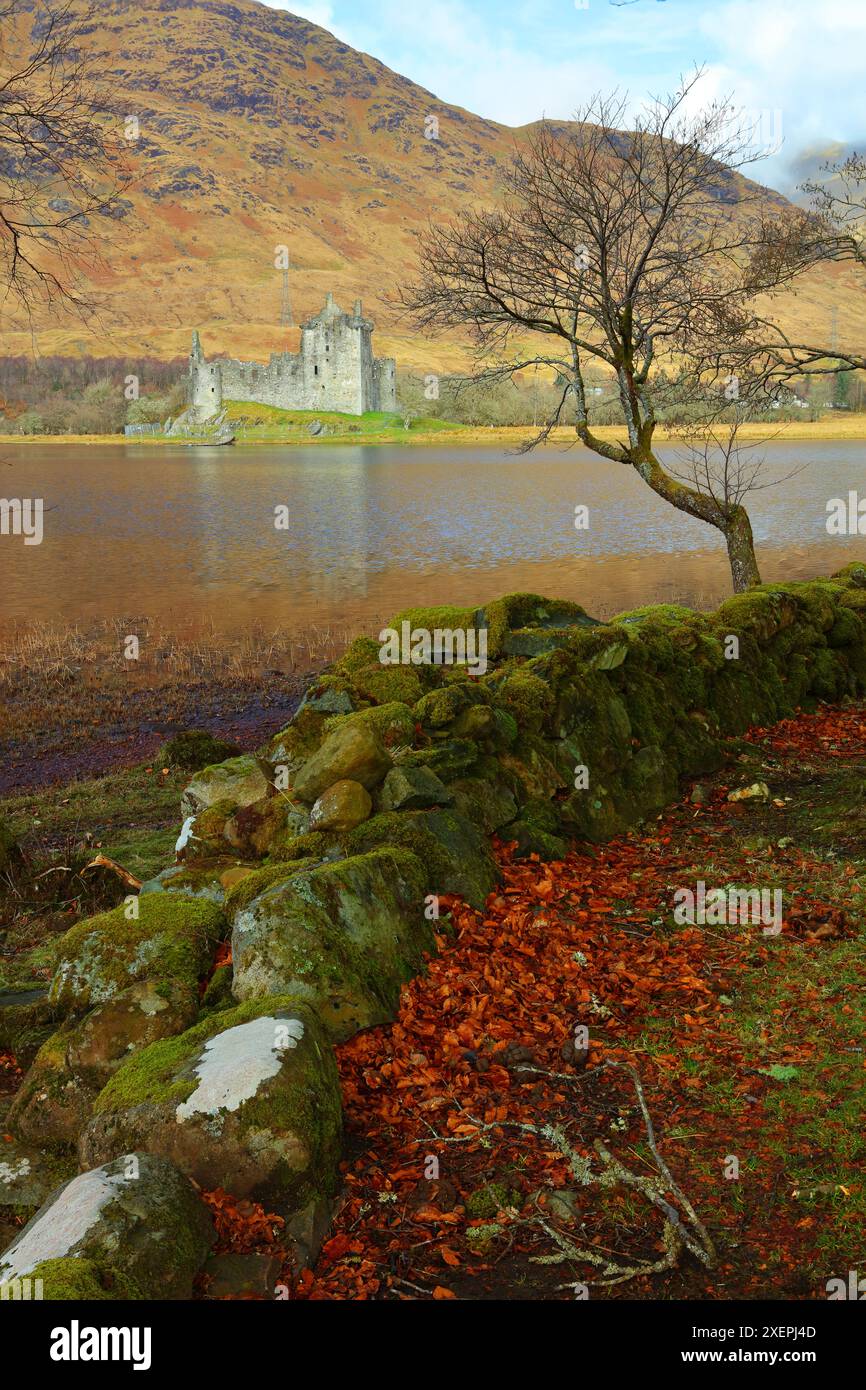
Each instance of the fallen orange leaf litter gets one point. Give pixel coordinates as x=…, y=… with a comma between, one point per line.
x=483, y=1042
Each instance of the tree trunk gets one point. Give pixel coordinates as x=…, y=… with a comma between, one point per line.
x=741, y=551
x=735, y=526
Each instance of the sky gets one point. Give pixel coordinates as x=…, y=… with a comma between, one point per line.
x=793, y=67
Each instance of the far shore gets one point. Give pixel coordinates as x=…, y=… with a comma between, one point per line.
x=844, y=427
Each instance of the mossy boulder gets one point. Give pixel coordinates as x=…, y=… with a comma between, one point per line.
x=238, y=781
x=342, y=807
x=28, y=1175
x=453, y=850
x=649, y=781
x=537, y=831
x=344, y=937
x=140, y=1015
x=527, y=698
x=248, y=1100
x=533, y=766
x=596, y=813
x=254, y=884
x=451, y=757
x=218, y=993
x=485, y=799
x=26, y=1020
x=441, y=708
x=393, y=724
x=251, y=830
x=353, y=751
x=291, y=747
x=329, y=694
x=497, y=619
x=205, y=880
x=55, y=1098
x=388, y=684
x=443, y=618
x=76, y=1280
x=413, y=789
x=136, y=1217
x=194, y=749
x=170, y=941
x=52, y=1104
x=315, y=845
x=208, y=831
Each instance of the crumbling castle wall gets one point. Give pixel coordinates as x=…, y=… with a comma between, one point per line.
x=334, y=370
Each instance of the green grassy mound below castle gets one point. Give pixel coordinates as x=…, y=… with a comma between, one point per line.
x=253, y=421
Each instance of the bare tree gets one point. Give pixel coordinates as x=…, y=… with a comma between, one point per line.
x=619, y=249
x=62, y=171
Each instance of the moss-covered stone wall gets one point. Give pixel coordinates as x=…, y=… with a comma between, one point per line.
x=324, y=855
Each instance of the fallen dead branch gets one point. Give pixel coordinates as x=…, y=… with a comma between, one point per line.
x=102, y=861
x=683, y=1229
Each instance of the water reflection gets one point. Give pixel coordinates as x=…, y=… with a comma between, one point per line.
x=181, y=531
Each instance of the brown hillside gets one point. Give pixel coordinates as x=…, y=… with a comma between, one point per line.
x=258, y=128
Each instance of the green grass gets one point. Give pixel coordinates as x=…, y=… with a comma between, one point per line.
x=132, y=816
x=253, y=421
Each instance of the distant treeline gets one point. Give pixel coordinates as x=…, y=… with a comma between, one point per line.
x=529, y=400
x=88, y=395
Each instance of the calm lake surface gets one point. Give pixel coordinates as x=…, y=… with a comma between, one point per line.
x=177, y=533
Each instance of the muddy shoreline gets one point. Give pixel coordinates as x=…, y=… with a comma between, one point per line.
x=30, y=761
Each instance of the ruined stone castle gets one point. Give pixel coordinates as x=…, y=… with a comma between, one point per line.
x=334, y=370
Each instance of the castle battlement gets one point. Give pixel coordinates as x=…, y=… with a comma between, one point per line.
x=334, y=370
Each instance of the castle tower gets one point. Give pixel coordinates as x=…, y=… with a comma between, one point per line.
x=205, y=384
x=337, y=360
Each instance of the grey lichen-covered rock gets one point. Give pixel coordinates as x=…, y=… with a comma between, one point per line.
x=414, y=789
x=137, y=1216
x=343, y=936
x=353, y=751
x=248, y=1100
x=239, y=781
x=169, y=938
x=342, y=807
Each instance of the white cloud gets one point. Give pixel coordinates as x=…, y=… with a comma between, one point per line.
x=801, y=59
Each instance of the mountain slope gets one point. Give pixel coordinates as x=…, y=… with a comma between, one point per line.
x=257, y=129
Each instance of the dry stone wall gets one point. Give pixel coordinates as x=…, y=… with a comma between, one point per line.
x=323, y=859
